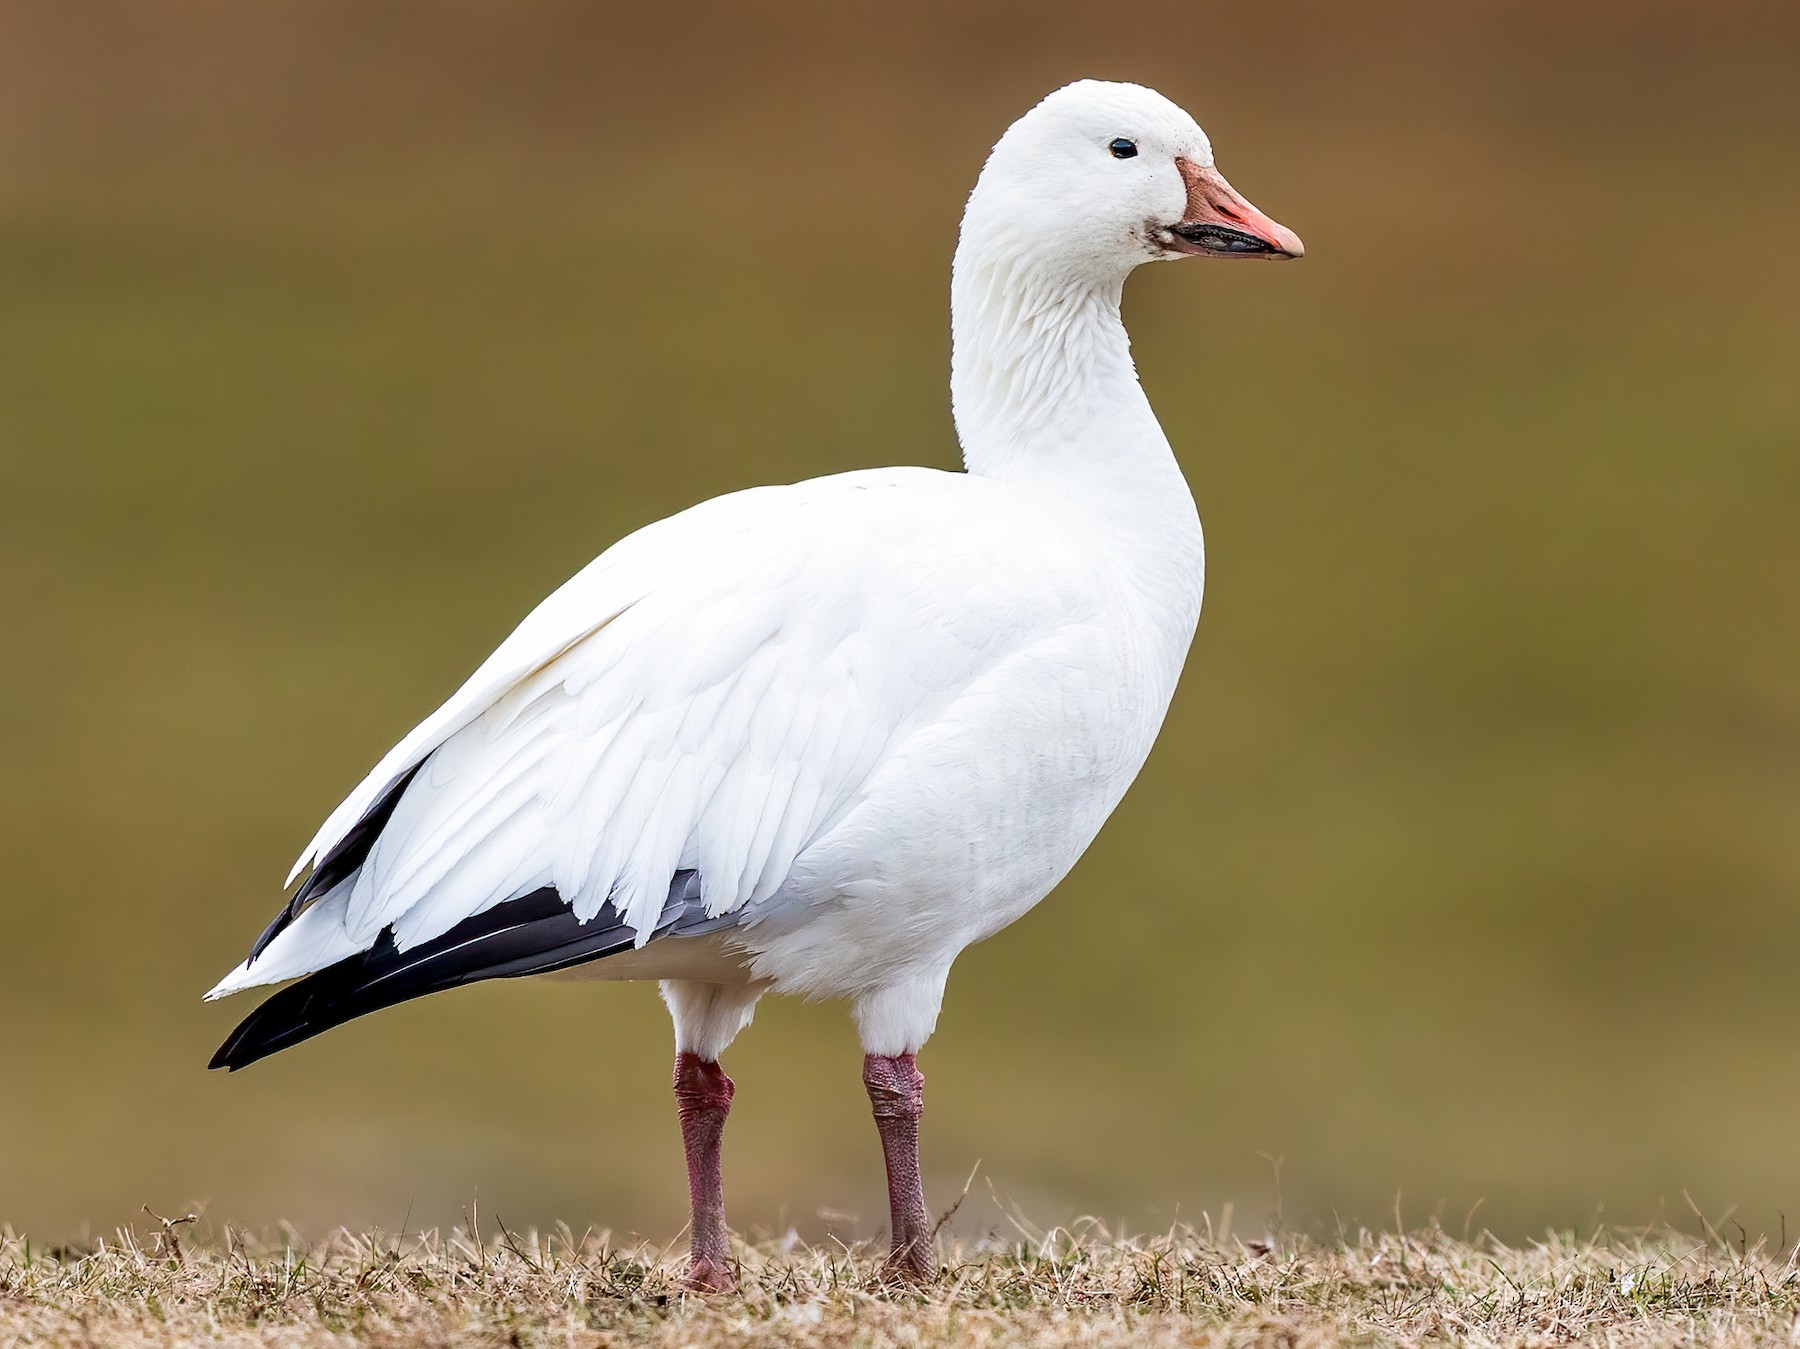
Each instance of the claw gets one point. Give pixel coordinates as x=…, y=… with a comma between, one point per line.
x=708, y=1276
x=913, y=1265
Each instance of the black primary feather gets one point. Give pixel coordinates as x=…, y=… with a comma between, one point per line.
x=533, y=934
x=350, y=853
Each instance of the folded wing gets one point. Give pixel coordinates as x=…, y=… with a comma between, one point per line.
x=703, y=701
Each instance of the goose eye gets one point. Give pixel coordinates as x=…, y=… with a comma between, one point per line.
x=1123, y=149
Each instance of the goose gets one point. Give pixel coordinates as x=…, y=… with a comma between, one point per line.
x=816, y=739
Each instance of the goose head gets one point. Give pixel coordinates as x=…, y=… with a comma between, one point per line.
x=1100, y=177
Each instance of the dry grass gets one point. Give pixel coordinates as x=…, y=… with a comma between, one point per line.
x=1081, y=1287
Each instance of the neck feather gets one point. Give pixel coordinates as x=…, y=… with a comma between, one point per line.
x=1046, y=396
x=1041, y=379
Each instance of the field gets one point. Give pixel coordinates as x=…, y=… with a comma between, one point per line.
x=334, y=335
x=167, y=1286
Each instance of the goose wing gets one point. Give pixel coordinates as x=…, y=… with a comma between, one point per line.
x=660, y=739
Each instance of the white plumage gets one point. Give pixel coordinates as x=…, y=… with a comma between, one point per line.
x=776, y=689
x=872, y=717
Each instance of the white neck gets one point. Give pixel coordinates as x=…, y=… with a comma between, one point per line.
x=1041, y=379
x=1045, y=395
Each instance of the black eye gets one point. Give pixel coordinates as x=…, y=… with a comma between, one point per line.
x=1123, y=149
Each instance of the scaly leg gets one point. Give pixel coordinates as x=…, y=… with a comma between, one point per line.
x=703, y=1096
x=897, y=1093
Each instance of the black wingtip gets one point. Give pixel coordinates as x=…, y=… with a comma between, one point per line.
x=533, y=934
x=272, y=1027
x=298, y=1012
x=380, y=977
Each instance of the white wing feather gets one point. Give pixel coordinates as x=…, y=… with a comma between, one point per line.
x=711, y=693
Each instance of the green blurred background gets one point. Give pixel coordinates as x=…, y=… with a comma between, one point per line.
x=334, y=335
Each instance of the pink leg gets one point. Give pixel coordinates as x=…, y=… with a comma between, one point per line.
x=897, y=1093
x=703, y=1096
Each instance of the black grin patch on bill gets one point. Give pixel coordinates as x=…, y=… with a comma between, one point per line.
x=1215, y=238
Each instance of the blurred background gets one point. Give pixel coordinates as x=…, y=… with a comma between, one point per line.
x=1466, y=876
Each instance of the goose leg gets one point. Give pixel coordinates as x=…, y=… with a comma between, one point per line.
x=703, y=1096
x=897, y=1093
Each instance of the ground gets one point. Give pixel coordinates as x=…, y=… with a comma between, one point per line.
x=167, y=1284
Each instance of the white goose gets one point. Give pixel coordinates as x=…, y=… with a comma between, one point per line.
x=817, y=739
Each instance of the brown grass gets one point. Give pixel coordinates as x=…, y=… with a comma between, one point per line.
x=1083, y=1286
x=334, y=335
